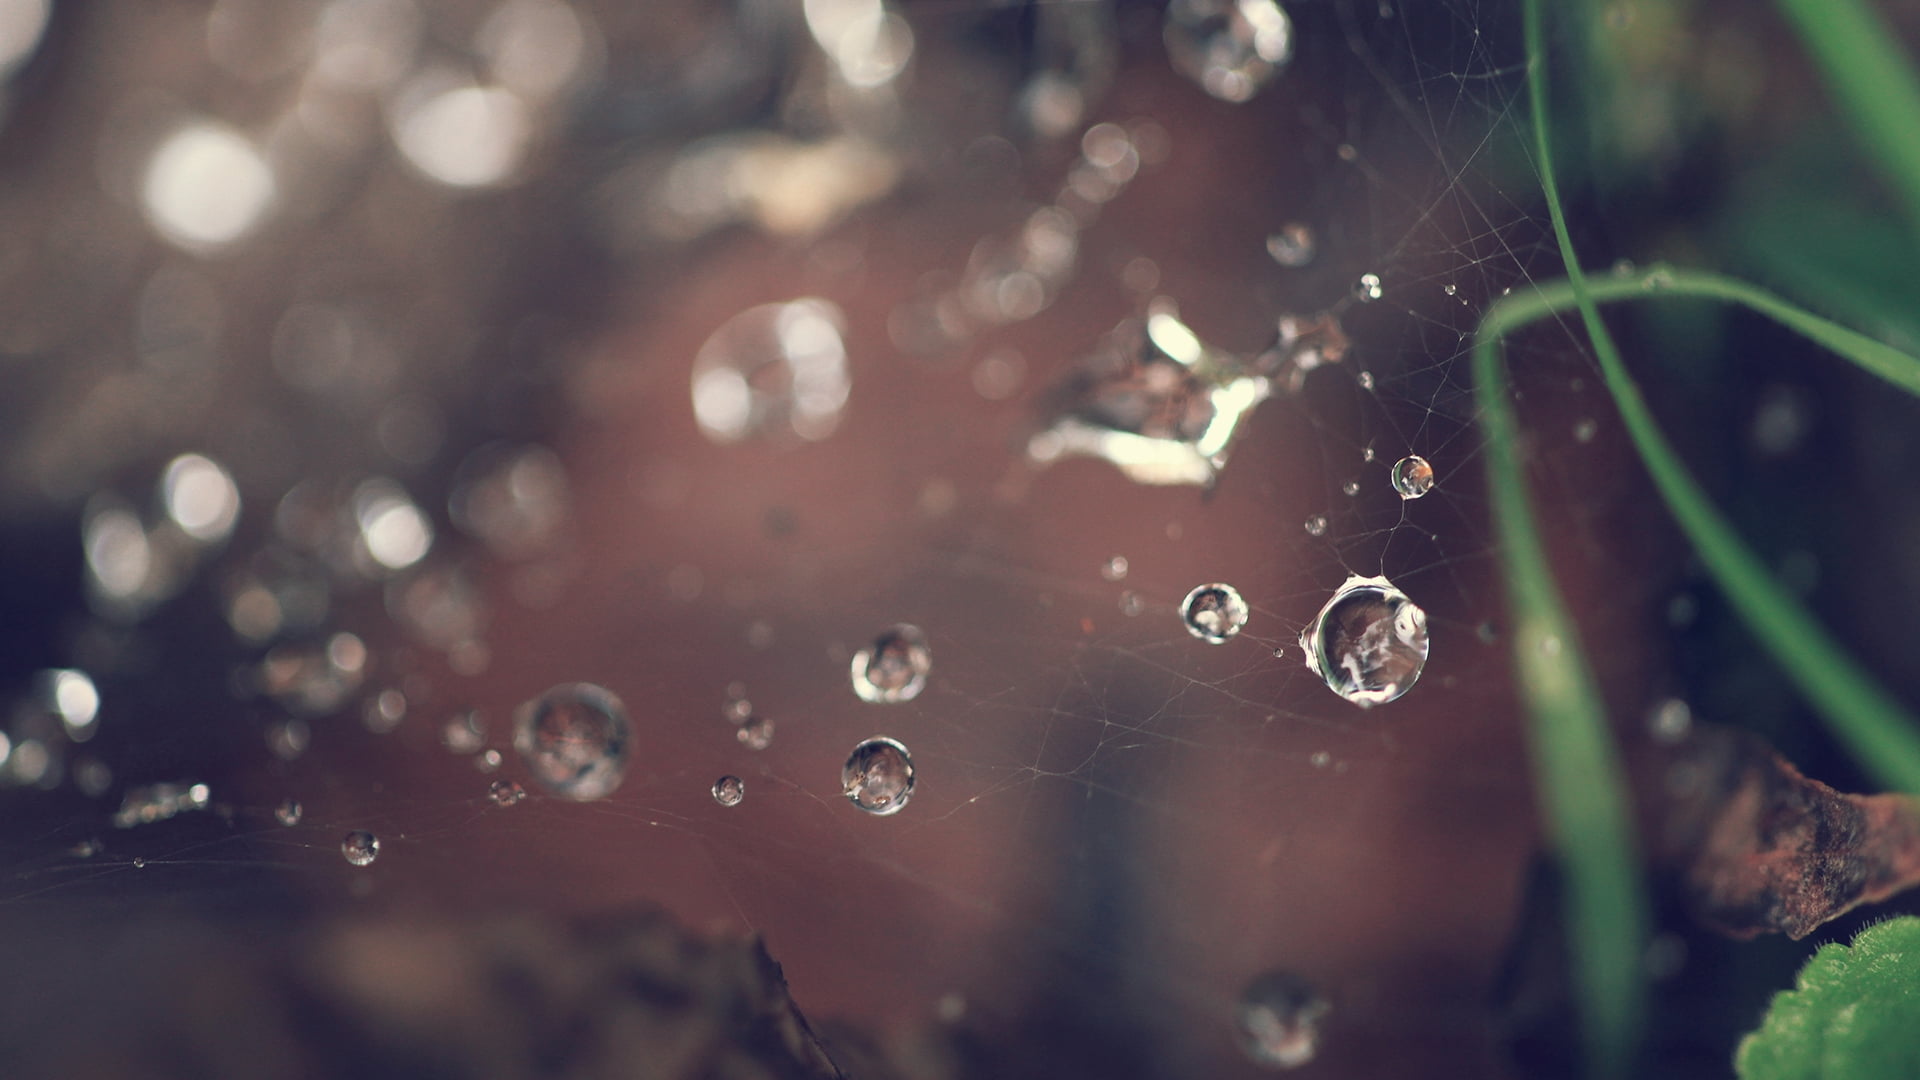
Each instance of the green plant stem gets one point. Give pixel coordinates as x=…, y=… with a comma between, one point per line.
x=1874, y=727
x=1875, y=87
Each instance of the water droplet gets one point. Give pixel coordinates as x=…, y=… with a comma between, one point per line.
x=1292, y=246
x=1585, y=430
x=360, y=847
x=1214, y=613
x=71, y=695
x=575, y=740
x=775, y=369
x=487, y=761
x=394, y=532
x=1321, y=759
x=756, y=733
x=1317, y=525
x=505, y=792
x=465, y=732
x=158, y=802
x=1369, y=642
x=288, y=739
x=1670, y=721
x=1114, y=569
x=1412, y=476
x=384, y=711
x=1368, y=288
x=288, y=812
x=894, y=668
x=139, y=862
x=1280, y=1015
x=878, y=776
x=1303, y=343
x=1131, y=604
x=461, y=135
x=200, y=497
x=1365, y=379
x=206, y=186
x=1155, y=401
x=1450, y=289
x=514, y=499
x=729, y=790
x=1230, y=47
x=1350, y=488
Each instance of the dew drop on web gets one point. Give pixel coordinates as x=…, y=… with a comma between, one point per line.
x=1368, y=288
x=288, y=812
x=894, y=668
x=1280, y=1015
x=1317, y=525
x=1412, y=476
x=505, y=792
x=360, y=847
x=1213, y=612
x=575, y=740
x=1369, y=642
x=729, y=790
x=878, y=776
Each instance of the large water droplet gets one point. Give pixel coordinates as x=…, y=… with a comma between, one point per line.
x=1280, y=1015
x=1369, y=642
x=1154, y=400
x=894, y=668
x=360, y=847
x=575, y=740
x=773, y=369
x=878, y=776
x=1412, y=476
x=729, y=790
x=1213, y=613
x=1230, y=47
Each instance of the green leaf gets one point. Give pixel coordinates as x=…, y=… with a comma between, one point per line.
x=1854, y=1013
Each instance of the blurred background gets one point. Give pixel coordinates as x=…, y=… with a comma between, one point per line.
x=373, y=367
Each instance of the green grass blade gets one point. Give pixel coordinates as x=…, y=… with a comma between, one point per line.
x=1874, y=85
x=1577, y=766
x=1874, y=727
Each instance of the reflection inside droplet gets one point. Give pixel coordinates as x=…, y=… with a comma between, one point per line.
x=878, y=776
x=1214, y=613
x=575, y=740
x=1369, y=642
x=894, y=667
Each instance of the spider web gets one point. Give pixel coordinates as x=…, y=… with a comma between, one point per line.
x=1115, y=826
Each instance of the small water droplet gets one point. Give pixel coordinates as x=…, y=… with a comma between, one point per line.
x=1280, y=1015
x=505, y=792
x=1367, y=454
x=737, y=710
x=756, y=733
x=1584, y=430
x=384, y=711
x=465, y=732
x=1450, y=289
x=360, y=847
x=1321, y=759
x=729, y=790
x=1131, y=604
x=1412, y=476
x=878, y=776
x=1368, y=288
x=894, y=668
x=1365, y=379
x=487, y=760
x=1292, y=246
x=1350, y=488
x=1214, y=613
x=1317, y=525
x=1231, y=48
x=288, y=812
x=139, y=862
x=1114, y=569
x=576, y=740
x=1369, y=642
